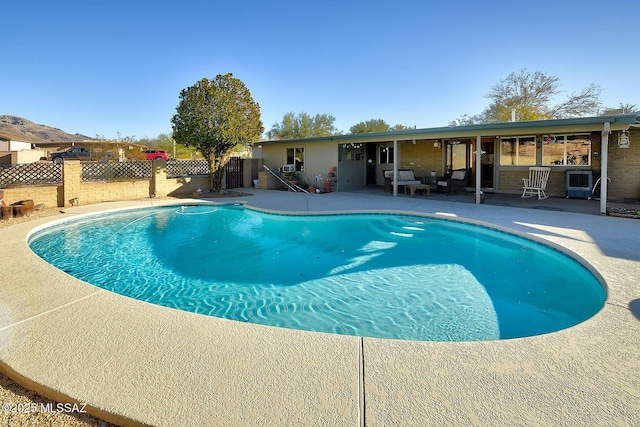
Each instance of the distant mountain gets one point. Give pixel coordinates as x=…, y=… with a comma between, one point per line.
x=23, y=129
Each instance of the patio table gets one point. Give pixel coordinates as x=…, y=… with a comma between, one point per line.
x=414, y=187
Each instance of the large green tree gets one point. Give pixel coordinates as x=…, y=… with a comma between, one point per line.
x=213, y=116
x=532, y=96
x=302, y=126
x=373, y=125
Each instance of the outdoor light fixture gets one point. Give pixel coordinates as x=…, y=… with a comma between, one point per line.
x=623, y=139
x=437, y=144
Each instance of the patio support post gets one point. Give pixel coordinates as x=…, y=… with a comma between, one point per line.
x=478, y=194
x=604, y=159
x=395, y=168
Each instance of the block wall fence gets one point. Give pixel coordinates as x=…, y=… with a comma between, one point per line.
x=74, y=191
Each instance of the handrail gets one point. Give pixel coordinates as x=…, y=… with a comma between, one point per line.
x=291, y=186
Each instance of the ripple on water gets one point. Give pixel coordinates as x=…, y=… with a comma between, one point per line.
x=387, y=276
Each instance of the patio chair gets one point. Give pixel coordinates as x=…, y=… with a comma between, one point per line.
x=454, y=182
x=536, y=183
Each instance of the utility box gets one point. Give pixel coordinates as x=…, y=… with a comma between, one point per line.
x=579, y=184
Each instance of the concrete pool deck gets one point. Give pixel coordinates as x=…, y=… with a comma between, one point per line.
x=137, y=363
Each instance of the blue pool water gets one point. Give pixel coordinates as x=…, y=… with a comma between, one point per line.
x=376, y=275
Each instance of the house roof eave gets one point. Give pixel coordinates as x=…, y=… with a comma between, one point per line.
x=580, y=124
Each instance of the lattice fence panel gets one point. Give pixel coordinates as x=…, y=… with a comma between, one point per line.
x=115, y=171
x=30, y=174
x=182, y=168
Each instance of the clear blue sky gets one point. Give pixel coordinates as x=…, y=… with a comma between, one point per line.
x=103, y=68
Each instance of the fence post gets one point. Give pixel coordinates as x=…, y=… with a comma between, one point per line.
x=71, y=179
x=158, y=184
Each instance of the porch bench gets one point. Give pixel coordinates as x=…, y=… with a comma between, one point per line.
x=405, y=176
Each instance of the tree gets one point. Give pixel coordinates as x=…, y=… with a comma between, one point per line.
x=401, y=127
x=531, y=96
x=215, y=115
x=373, y=125
x=623, y=109
x=303, y=126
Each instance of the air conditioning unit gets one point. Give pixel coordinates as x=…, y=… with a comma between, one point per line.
x=288, y=168
x=579, y=184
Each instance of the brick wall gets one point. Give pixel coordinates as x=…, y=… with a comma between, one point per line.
x=623, y=170
x=102, y=191
x=71, y=180
x=50, y=195
x=624, y=167
x=74, y=189
x=511, y=182
x=186, y=186
x=422, y=157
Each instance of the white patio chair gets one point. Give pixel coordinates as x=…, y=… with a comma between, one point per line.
x=536, y=183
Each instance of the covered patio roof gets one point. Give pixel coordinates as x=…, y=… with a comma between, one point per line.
x=603, y=124
x=618, y=122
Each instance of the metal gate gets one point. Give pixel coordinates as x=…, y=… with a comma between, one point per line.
x=233, y=173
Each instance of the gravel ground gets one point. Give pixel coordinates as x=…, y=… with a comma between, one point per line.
x=22, y=407
x=42, y=213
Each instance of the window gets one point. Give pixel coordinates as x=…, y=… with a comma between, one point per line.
x=458, y=155
x=295, y=156
x=566, y=150
x=518, y=151
x=386, y=154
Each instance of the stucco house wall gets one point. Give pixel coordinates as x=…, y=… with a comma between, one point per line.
x=318, y=158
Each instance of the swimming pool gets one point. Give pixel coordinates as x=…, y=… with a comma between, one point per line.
x=378, y=275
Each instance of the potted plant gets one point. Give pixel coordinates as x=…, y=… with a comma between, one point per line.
x=327, y=185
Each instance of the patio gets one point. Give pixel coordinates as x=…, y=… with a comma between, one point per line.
x=134, y=362
x=559, y=204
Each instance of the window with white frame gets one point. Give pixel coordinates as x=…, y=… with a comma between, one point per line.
x=295, y=156
x=566, y=150
x=518, y=151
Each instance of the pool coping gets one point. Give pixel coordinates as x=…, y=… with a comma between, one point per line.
x=135, y=363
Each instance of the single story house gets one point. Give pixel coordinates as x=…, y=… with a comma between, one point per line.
x=17, y=149
x=499, y=155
